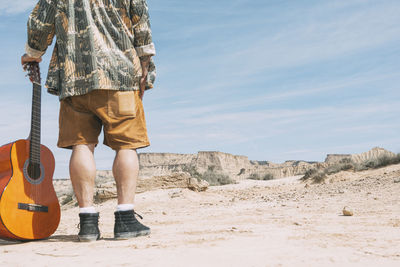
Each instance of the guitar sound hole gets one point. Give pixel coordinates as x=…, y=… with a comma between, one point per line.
x=34, y=170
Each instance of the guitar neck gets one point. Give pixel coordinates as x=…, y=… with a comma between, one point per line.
x=35, y=124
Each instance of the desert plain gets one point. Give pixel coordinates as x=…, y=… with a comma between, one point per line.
x=281, y=222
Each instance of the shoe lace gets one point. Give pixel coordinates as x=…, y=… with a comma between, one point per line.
x=140, y=216
x=79, y=224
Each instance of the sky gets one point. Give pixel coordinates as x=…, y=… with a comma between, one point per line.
x=272, y=80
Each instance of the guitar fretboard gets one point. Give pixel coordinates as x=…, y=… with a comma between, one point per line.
x=34, y=153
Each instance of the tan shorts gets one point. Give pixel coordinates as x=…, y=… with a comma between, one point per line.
x=119, y=112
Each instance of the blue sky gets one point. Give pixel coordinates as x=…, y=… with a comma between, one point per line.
x=272, y=80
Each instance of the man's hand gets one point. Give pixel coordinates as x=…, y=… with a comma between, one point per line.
x=26, y=59
x=142, y=86
x=144, y=61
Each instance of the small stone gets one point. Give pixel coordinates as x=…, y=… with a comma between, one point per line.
x=340, y=191
x=175, y=194
x=306, y=186
x=103, y=194
x=397, y=180
x=347, y=211
x=296, y=223
x=198, y=186
x=265, y=198
x=164, y=213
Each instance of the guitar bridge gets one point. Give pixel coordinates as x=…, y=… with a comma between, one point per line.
x=33, y=207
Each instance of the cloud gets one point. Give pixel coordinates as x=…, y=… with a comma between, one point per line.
x=232, y=50
x=234, y=127
x=311, y=35
x=302, y=116
x=318, y=39
x=292, y=91
x=16, y=6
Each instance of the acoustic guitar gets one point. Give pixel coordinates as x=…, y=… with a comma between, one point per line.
x=29, y=208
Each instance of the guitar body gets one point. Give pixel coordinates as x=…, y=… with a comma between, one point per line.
x=29, y=208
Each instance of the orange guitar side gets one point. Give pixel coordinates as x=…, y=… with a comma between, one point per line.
x=18, y=196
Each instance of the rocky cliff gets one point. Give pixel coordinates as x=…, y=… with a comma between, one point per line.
x=165, y=163
x=373, y=154
x=238, y=167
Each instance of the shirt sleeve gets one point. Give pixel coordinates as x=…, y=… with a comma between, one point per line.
x=141, y=25
x=41, y=28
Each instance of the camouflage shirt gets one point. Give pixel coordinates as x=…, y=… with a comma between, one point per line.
x=98, y=44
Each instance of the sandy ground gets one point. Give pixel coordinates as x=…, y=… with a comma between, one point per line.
x=282, y=222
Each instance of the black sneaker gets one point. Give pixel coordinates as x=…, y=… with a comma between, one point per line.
x=89, y=227
x=127, y=226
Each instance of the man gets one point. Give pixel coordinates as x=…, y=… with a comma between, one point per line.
x=100, y=68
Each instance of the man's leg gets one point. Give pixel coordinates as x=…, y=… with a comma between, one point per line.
x=82, y=169
x=126, y=172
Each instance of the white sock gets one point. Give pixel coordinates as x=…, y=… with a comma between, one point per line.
x=125, y=207
x=87, y=210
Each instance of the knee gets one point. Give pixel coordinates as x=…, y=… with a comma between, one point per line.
x=83, y=148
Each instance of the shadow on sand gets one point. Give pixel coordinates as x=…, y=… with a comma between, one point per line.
x=62, y=238
x=54, y=238
x=4, y=242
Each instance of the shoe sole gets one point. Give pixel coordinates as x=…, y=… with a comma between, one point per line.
x=88, y=238
x=129, y=235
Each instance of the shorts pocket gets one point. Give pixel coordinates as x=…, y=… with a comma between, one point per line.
x=123, y=104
